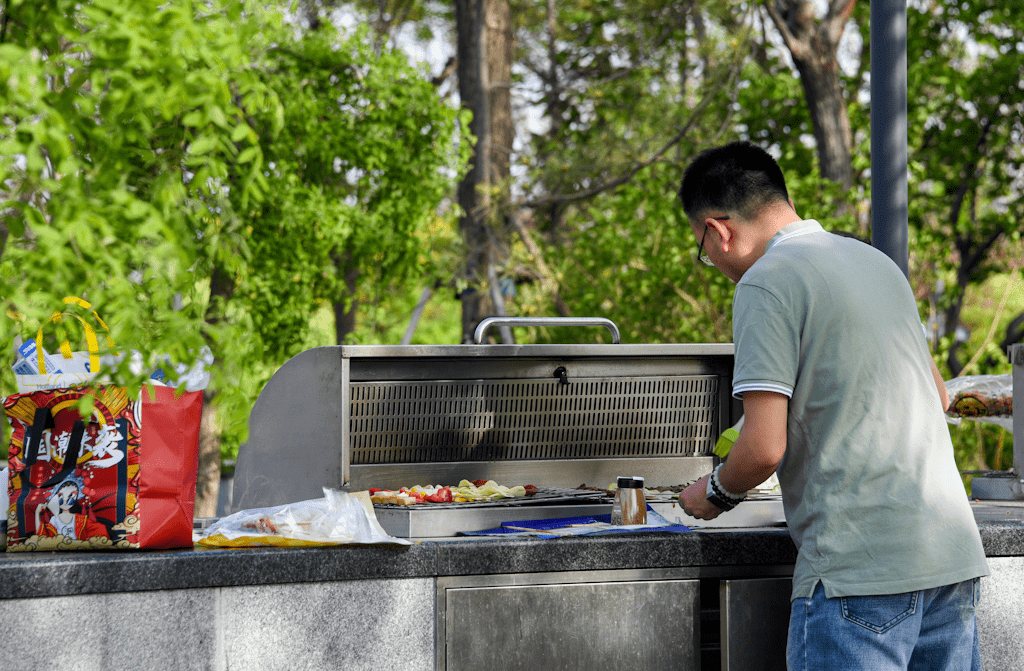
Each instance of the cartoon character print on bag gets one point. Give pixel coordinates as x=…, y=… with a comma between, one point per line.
x=79, y=488
x=67, y=518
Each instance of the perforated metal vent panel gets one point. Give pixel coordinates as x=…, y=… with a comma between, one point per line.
x=474, y=420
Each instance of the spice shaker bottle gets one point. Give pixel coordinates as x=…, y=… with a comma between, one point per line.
x=630, y=506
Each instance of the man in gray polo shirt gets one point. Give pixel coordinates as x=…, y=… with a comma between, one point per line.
x=842, y=399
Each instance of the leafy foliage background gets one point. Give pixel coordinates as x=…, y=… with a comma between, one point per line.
x=230, y=174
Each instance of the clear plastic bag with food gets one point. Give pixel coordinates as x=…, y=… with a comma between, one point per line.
x=337, y=519
x=981, y=398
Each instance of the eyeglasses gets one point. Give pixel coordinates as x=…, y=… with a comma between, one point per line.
x=701, y=254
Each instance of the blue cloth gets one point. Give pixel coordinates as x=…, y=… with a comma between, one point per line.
x=577, y=526
x=928, y=630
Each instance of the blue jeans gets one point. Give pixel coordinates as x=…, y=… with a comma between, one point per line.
x=930, y=630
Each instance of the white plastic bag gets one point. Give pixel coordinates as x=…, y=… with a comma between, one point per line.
x=981, y=398
x=338, y=518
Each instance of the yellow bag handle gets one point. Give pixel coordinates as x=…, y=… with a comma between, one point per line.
x=92, y=342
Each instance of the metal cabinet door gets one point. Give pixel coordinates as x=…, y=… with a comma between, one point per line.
x=755, y=623
x=633, y=625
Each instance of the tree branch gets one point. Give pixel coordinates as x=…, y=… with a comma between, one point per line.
x=6, y=20
x=969, y=262
x=971, y=174
x=561, y=199
x=834, y=23
x=449, y=67
x=797, y=47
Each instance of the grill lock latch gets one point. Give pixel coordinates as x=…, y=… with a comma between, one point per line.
x=562, y=375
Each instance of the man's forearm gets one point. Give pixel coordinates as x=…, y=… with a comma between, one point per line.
x=759, y=449
x=746, y=467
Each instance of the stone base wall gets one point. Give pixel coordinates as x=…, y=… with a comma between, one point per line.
x=352, y=625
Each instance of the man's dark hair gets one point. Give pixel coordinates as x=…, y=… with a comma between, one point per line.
x=737, y=177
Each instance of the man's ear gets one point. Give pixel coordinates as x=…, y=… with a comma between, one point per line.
x=793, y=205
x=723, y=228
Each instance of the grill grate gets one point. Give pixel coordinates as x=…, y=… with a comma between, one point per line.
x=511, y=420
x=543, y=496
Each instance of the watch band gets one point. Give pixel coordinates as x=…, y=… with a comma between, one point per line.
x=717, y=500
x=719, y=495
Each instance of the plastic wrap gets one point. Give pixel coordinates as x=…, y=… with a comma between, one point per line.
x=338, y=518
x=981, y=398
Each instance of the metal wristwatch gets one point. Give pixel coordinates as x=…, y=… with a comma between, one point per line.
x=717, y=500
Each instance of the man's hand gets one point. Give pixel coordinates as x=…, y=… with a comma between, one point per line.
x=694, y=502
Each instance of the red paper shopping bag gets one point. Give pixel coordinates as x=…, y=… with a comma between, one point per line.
x=124, y=477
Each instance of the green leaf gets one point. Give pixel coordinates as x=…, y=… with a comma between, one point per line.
x=241, y=132
x=202, y=145
x=248, y=154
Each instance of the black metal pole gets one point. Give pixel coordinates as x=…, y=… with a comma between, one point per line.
x=1016, y=353
x=889, y=212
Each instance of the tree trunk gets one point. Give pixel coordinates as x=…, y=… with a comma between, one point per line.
x=484, y=66
x=555, y=112
x=469, y=16
x=208, y=482
x=972, y=251
x=499, y=88
x=345, y=312
x=813, y=45
x=824, y=94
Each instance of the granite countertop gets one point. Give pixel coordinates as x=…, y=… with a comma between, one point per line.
x=42, y=574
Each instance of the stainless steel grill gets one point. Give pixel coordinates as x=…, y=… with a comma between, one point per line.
x=555, y=416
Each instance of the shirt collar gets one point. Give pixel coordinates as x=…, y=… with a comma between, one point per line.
x=795, y=230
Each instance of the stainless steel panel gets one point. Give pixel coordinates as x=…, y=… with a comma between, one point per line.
x=764, y=510
x=295, y=431
x=568, y=473
x=424, y=522
x=513, y=420
x=697, y=351
x=755, y=623
x=586, y=626
x=996, y=486
x=531, y=367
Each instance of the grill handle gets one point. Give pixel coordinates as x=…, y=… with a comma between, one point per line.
x=481, y=329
